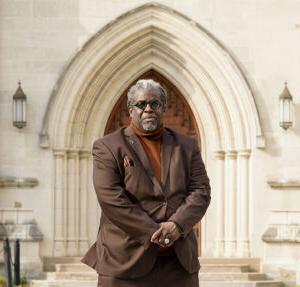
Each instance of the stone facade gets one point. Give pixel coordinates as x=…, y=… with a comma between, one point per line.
x=229, y=59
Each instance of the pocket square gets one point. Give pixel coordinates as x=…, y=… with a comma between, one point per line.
x=128, y=161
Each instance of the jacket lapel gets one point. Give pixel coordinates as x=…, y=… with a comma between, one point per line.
x=140, y=155
x=167, y=148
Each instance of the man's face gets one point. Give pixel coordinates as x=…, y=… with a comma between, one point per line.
x=146, y=111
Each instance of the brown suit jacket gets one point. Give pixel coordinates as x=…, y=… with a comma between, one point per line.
x=133, y=202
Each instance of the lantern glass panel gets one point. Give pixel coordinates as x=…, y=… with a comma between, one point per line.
x=19, y=110
x=286, y=113
x=24, y=110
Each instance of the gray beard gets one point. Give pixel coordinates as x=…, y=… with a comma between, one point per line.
x=149, y=127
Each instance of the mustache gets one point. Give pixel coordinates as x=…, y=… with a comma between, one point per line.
x=150, y=117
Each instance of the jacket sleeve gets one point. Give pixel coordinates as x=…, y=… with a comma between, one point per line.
x=112, y=197
x=197, y=201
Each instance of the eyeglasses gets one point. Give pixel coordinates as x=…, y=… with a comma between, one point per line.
x=154, y=105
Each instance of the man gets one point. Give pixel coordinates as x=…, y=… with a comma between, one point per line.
x=152, y=187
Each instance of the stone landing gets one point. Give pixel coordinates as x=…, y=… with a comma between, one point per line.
x=215, y=272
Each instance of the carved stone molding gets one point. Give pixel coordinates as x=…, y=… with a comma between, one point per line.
x=284, y=183
x=284, y=227
x=152, y=37
x=279, y=233
x=27, y=231
x=18, y=182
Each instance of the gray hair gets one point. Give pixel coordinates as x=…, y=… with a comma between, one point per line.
x=150, y=85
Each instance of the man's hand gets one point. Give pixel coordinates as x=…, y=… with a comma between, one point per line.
x=166, y=235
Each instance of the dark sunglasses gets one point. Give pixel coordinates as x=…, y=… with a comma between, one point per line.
x=154, y=105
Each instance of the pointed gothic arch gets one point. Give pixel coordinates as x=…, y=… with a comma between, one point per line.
x=156, y=37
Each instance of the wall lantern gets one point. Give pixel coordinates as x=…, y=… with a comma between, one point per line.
x=286, y=108
x=19, y=108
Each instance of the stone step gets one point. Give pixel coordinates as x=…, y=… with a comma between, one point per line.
x=50, y=262
x=76, y=275
x=93, y=283
x=202, y=276
x=80, y=267
x=72, y=267
x=253, y=262
x=63, y=283
x=235, y=260
x=62, y=259
x=266, y=283
x=206, y=267
x=231, y=276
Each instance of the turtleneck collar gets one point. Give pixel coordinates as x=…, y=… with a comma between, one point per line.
x=155, y=135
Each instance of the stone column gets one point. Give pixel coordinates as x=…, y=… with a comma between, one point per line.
x=72, y=203
x=230, y=203
x=243, y=203
x=83, y=197
x=220, y=222
x=59, y=191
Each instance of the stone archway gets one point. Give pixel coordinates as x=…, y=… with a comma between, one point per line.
x=154, y=37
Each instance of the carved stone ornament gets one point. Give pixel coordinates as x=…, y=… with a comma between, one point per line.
x=13, y=182
x=279, y=233
x=284, y=183
x=26, y=231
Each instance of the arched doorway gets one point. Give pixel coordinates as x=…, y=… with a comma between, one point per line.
x=178, y=116
x=156, y=37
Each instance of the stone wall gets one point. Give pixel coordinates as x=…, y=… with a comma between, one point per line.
x=40, y=37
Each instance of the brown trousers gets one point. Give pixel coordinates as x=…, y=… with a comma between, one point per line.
x=167, y=271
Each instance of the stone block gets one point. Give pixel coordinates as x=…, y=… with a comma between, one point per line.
x=63, y=283
x=72, y=267
x=55, y=8
x=76, y=275
x=231, y=276
x=16, y=8
x=219, y=268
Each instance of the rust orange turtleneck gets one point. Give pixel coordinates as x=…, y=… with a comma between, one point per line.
x=152, y=145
